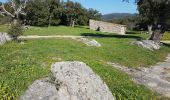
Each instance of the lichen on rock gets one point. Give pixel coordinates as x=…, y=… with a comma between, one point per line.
x=69, y=81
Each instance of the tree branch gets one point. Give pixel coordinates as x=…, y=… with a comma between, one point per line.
x=13, y=4
x=5, y=11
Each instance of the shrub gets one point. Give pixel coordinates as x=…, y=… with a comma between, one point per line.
x=15, y=31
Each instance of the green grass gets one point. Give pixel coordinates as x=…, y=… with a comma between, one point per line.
x=60, y=30
x=166, y=36
x=4, y=28
x=21, y=64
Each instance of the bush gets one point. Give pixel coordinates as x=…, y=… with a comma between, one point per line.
x=5, y=20
x=15, y=31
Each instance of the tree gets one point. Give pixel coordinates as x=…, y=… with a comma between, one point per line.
x=72, y=11
x=54, y=12
x=155, y=13
x=17, y=7
x=37, y=13
x=94, y=14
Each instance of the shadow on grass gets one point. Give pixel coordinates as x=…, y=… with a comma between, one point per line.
x=82, y=27
x=166, y=45
x=131, y=32
x=98, y=35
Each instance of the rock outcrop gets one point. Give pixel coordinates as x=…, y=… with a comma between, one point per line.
x=89, y=42
x=155, y=77
x=148, y=44
x=4, y=37
x=69, y=81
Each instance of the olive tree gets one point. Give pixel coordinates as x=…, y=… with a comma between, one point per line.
x=17, y=8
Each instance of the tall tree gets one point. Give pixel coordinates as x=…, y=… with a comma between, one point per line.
x=37, y=13
x=94, y=14
x=53, y=7
x=157, y=14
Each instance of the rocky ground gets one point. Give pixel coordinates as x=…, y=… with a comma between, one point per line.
x=69, y=81
x=155, y=77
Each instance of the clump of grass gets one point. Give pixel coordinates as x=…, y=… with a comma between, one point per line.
x=6, y=93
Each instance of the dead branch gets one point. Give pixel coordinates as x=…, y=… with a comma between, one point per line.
x=17, y=9
x=5, y=11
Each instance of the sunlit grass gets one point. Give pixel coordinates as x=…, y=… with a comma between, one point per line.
x=21, y=64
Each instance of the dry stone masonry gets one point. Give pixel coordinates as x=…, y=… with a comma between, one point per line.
x=69, y=81
x=107, y=27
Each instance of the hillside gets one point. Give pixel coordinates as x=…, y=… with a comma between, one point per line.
x=116, y=16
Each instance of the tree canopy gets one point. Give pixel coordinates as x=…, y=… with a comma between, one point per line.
x=52, y=12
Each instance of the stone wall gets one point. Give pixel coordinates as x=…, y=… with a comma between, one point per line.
x=4, y=37
x=107, y=27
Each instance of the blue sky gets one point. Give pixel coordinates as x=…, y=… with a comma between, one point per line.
x=108, y=6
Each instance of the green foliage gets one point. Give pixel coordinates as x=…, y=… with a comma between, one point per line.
x=94, y=14
x=130, y=22
x=15, y=30
x=166, y=36
x=5, y=20
x=154, y=11
x=54, y=12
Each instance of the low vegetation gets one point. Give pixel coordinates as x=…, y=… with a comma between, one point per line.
x=21, y=64
x=166, y=36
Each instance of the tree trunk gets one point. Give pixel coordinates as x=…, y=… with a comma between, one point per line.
x=73, y=23
x=150, y=29
x=15, y=21
x=49, y=21
x=158, y=33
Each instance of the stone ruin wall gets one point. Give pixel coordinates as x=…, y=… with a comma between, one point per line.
x=107, y=27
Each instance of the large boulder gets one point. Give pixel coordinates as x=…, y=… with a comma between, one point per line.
x=4, y=37
x=69, y=81
x=148, y=44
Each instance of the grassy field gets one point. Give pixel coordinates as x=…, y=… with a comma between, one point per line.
x=63, y=30
x=21, y=64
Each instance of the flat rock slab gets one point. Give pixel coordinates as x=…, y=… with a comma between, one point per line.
x=69, y=81
x=156, y=77
x=89, y=42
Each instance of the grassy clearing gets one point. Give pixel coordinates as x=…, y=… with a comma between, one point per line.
x=21, y=64
x=79, y=30
x=60, y=30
